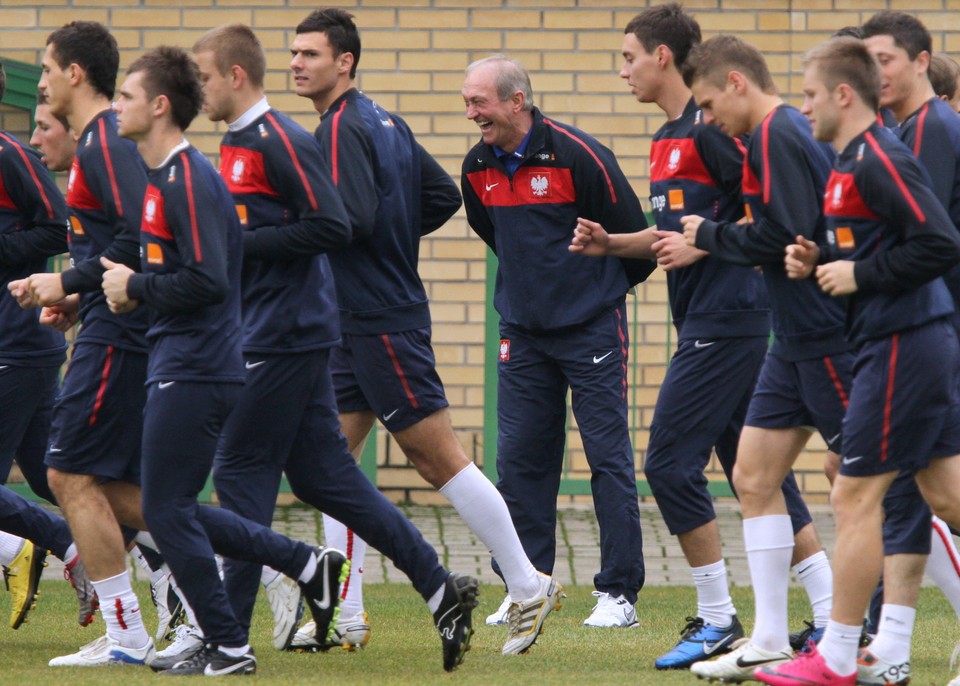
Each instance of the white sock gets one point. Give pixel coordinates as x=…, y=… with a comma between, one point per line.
x=769, y=545
x=943, y=565
x=817, y=578
x=839, y=647
x=892, y=642
x=235, y=652
x=267, y=575
x=355, y=548
x=10, y=547
x=480, y=505
x=436, y=598
x=121, y=611
x=71, y=553
x=714, y=604
x=145, y=538
x=309, y=569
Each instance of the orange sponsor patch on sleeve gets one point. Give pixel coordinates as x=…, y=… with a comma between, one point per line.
x=154, y=254
x=845, y=238
x=242, y=214
x=676, y=199
x=76, y=226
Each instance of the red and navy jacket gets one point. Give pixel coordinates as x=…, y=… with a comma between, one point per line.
x=527, y=219
x=191, y=253
x=105, y=203
x=785, y=171
x=394, y=193
x=882, y=215
x=291, y=214
x=933, y=134
x=32, y=220
x=697, y=169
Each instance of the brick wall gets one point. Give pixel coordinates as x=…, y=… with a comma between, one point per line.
x=414, y=52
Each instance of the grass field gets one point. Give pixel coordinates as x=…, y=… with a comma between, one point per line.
x=406, y=650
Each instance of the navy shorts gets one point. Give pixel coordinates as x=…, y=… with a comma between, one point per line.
x=98, y=418
x=806, y=393
x=906, y=518
x=701, y=408
x=394, y=375
x=902, y=408
x=27, y=395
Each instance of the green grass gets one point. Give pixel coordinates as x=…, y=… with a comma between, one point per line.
x=406, y=650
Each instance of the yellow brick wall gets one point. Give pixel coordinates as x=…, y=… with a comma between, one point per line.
x=414, y=52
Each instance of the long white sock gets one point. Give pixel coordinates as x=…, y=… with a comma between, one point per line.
x=817, y=578
x=892, y=642
x=481, y=506
x=121, y=611
x=355, y=548
x=10, y=546
x=943, y=565
x=714, y=604
x=839, y=647
x=769, y=545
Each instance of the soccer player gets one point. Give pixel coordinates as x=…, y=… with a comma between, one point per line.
x=191, y=257
x=286, y=417
x=94, y=440
x=889, y=239
x=562, y=321
x=944, y=73
x=805, y=377
x=930, y=127
x=394, y=193
x=721, y=313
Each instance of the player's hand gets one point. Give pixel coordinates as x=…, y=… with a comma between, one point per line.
x=63, y=315
x=837, y=278
x=45, y=289
x=800, y=258
x=20, y=289
x=673, y=252
x=590, y=239
x=115, y=280
x=691, y=224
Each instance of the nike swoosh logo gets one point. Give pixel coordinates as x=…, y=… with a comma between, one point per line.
x=387, y=417
x=598, y=360
x=4, y=366
x=851, y=460
x=709, y=649
x=254, y=365
x=165, y=384
x=325, y=602
x=746, y=664
x=832, y=440
x=698, y=344
x=232, y=669
x=493, y=185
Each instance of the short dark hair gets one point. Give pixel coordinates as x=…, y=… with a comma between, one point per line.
x=943, y=73
x=89, y=45
x=235, y=44
x=341, y=31
x=712, y=60
x=847, y=60
x=907, y=31
x=850, y=32
x=668, y=25
x=169, y=71
x=42, y=100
